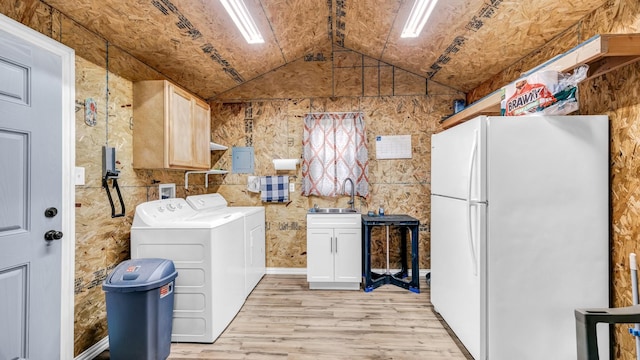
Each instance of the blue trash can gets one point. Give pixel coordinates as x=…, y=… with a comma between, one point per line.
x=139, y=296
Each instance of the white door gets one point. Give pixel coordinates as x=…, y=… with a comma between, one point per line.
x=30, y=200
x=348, y=255
x=458, y=229
x=457, y=240
x=319, y=255
x=457, y=156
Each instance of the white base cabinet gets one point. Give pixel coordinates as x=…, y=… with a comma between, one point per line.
x=334, y=251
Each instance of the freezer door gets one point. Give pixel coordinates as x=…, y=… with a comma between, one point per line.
x=457, y=161
x=547, y=232
x=457, y=238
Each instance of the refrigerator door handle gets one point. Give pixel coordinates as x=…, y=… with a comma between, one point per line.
x=472, y=247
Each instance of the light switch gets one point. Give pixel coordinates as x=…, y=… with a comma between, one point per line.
x=79, y=180
x=292, y=187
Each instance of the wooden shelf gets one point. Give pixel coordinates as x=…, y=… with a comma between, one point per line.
x=603, y=53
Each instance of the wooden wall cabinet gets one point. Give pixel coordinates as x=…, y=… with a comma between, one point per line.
x=172, y=128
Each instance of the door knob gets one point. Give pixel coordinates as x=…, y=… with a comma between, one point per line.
x=51, y=212
x=53, y=235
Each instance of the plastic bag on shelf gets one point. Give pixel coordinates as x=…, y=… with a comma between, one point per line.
x=544, y=93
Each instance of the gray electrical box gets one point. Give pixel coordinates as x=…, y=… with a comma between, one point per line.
x=109, y=170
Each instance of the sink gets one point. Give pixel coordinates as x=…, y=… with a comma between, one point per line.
x=332, y=211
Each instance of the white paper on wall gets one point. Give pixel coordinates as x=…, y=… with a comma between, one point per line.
x=393, y=147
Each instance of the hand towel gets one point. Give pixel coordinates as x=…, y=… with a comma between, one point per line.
x=274, y=188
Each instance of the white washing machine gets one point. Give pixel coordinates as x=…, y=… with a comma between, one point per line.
x=208, y=252
x=254, y=232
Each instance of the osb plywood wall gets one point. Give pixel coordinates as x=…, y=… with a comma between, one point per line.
x=353, y=82
x=275, y=129
x=617, y=95
x=267, y=113
x=333, y=72
x=102, y=242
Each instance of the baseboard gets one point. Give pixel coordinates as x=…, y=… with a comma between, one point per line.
x=303, y=271
x=286, y=271
x=95, y=350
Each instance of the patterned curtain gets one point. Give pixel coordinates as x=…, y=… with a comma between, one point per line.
x=334, y=148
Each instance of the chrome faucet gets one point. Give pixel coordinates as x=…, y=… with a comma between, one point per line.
x=344, y=190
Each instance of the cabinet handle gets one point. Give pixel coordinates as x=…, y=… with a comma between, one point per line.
x=332, y=244
x=336, y=244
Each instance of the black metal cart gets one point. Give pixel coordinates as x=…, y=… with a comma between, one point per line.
x=404, y=223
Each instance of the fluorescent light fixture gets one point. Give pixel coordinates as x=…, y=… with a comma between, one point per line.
x=418, y=17
x=243, y=20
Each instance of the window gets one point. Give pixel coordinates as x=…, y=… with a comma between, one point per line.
x=334, y=148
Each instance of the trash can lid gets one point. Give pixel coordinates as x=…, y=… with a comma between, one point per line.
x=140, y=275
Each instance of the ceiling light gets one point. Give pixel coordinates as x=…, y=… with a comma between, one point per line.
x=243, y=20
x=418, y=17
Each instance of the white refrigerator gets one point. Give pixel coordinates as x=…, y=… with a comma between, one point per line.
x=520, y=232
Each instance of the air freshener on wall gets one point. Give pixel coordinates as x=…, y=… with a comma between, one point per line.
x=90, y=112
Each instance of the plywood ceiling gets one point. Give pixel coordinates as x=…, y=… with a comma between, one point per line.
x=194, y=42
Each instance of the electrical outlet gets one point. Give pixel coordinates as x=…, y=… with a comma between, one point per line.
x=292, y=187
x=79, y=180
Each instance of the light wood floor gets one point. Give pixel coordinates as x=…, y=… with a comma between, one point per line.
x=283, y=319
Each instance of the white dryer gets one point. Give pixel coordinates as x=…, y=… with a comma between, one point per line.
x=208, y=252
x=254, y=232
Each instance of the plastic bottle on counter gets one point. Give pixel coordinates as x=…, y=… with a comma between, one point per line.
x=381, y=210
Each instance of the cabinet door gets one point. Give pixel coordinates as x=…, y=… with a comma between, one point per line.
x=201, y=135
x=319, y=255
x=348, y=255
x=180, y=128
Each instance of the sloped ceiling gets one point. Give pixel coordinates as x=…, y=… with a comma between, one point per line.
x=194, y=42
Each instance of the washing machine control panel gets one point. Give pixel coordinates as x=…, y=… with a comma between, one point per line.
x=207, y=201
x=166, y=210
x=170, y=207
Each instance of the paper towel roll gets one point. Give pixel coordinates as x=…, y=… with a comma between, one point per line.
x=285, y=164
